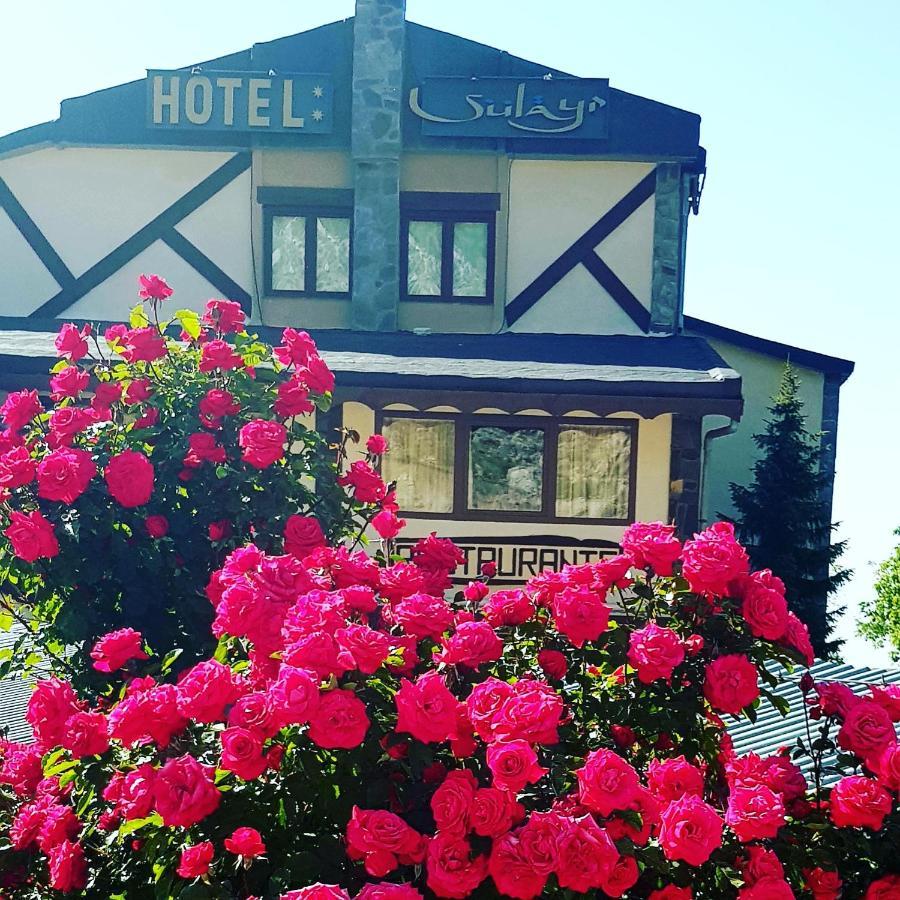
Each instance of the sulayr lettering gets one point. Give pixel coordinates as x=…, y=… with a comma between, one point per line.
x=568, y=116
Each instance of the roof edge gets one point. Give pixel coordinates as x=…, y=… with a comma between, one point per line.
x=820, y=362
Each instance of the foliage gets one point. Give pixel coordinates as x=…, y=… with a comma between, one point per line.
x=783, y=521
x=134, y=484
x=881, y=615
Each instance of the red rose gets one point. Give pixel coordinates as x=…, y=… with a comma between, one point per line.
x=86, y=734
x=116, y=648
x=295, y=696
x=184, y=792
x=195, y=860
x=689, y=830
x=859, y=802
x=203, y=447
x=225, y=316
x=317, y=376
x=262, y=442
x=606, y=782
x=731, y=683
x=377, y=445
x=423, y=615
x=256, y=712
x=219, y=356
x=887, y=888
x=671, y=779
x=437, y=554
x=19, y=408
x=17, y=468
x=138, y=391
x=365, y=481
x=553, y=663
x=768, y=888
x=623, y=876
x=670, y=892
x=513, y=607
x=152, y=287
x=242, y=753
x=49, y=709
x=339, y=721
x=302, y=534
x=142, y=345
x=586, y=855
x=531, y=713
x=68, y=383
x=65, y=423
x=217, y=531
x=368, y=647
x=867, y=730
x=654, y=652
x=887, y=766
x=218, y=403
x=297, y=348
x=32, y=536
x=512, y=870
x=384, y=890
x=581, y=614
x=823, y=884
x=494, y=812
x=651, y=545
x=472, y=644
x=293, y=399
x=388, y=524
x=452, y=871
x=65, y=474
x=156, y=526
x=763, y=605
x=245, y=842
x=129, y=477
x=452, y=802
x=426, y=709
x=713, y=559
x=754, y=813
x=68, y=869
x=206, y=689
x=70, y=343
x=513, y=764
x=383, y=840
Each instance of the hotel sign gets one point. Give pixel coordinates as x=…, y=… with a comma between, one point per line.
x=197, y=100
x=513, y=107
x=520, y=558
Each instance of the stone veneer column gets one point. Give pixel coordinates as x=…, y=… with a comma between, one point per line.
x=669, y=227
x=685, y=473
x=378, y=43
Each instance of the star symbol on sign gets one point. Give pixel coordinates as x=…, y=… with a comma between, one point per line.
x=317, y=91
x=318, y=115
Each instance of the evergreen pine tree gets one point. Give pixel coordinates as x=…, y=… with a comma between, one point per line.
x=783, y=520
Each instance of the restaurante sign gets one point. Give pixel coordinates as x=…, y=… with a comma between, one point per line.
x=239, y=101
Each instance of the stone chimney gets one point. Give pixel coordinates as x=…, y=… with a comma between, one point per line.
x=378, y=43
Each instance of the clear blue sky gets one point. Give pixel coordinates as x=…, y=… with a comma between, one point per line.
x=799, y=223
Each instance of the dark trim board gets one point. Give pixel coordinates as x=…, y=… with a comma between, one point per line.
x=582, y=252
x=34, y=237
x=157, y=229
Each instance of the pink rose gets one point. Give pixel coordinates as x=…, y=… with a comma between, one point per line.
x=19, y=408
x=32, y=536
x=68, y=868
x=317, y=892
x=184, y=792
x=218, y=403
x=513, y=765
x=65, y=474
x=86, y=734
x=754, y=813
x=142, y=345
x=318, y=377
x=388, y=524
x=867, y=730
x=262, y=442
x=129, y=477
x=384, y=890
x=70, y=382
x=472, y=644
x=377, y=445
x=581, y=614
x=859, y=802
x=70, y=343
x=205, y=690
x=493, y=812
x=887, y=766
x=763, y=605
x=513, y=607
x=295, y=696
x=731, y=683
x=651, y=545
x=623, y=876
x=242, y=753
x=17, y=468
x=423, y=615
x=426, y=709
x=152, y=287
x=532, y=713
x=219, y=356
x=195, y=860
x=156, y=526
x=226, y=316
x=49, y=709
x=671, y=779
x=339, y=721
x=654, y=652
x=713, y=559
x=245, y=842
x=115, y=649
x=690, y=830
x=297, y=348
x=606, y=782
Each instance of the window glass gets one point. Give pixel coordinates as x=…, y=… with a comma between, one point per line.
x=593, y=471
x=288, y=253
x=424, y=259
x=420, y=460
x=470, y=251
x=333, y=255
x=506, y=468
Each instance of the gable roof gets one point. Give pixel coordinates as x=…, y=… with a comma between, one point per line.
x=115, y=116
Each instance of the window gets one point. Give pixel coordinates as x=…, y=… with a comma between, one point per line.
x=447, y=246
x=307, y=241
x=420, y=462
x=514, y=467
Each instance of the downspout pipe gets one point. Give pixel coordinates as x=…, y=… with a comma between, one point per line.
x=710, y=436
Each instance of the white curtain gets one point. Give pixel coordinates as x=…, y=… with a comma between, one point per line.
x=593, y=471
x=420, y=460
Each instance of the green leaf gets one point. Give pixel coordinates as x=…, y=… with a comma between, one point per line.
x=133, y=825
x=138, y=318
x=190, y=322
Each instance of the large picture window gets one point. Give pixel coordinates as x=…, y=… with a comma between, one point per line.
x=515, y=467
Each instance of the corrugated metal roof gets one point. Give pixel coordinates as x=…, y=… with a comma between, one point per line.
x=14, y=694
x=772, y=730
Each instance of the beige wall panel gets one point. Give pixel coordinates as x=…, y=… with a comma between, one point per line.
x=577, y=305
x=26, y=283
x=118, y=294
x=449, y=172
x=466, y=318
x=305, y=312
x=89, y=200
x=730, y=458
x=302, y=168
x=634, y=269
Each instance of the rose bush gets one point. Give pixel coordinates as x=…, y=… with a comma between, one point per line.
x=163, y=446
x=360, y=730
